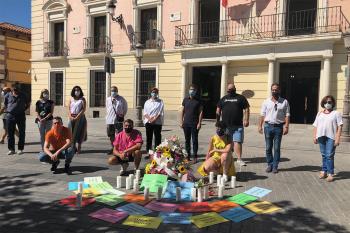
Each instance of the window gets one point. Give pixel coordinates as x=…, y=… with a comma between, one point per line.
x=147, y=82
x=97, y=88
x=56, y=87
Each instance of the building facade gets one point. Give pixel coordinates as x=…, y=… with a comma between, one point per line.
x=15, y=53
x=250, y=43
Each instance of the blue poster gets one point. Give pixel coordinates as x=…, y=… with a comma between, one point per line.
x=72, y=186
x=176, y=218
x=237, y=214
x=170, y=192
x=134, y=209
x=258, y=192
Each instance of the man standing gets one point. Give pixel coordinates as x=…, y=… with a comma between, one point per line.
x=116, y=108
x=275, y=114
x=191, y=120
x=127, y=147
x=234, y=109
x=58, y=146
x=16, y=103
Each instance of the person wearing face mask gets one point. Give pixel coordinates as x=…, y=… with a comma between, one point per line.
x=153, y=113
x=4, y=92
x=116, y=109
x=219, y=158
x=77, y=121
x=58, y=146
x=191, y=121
x=44, y=114
x=234, y=110
x=327, y=131
x=275, y=114
x=16, y=103
x=127, y=147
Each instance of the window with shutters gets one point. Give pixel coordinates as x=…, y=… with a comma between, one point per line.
x=56, y=87
x=147, y=82
x=97, y=88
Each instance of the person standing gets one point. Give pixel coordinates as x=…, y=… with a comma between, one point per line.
x=328, y=126
x=153, y=113
x=16, y=103
x=191, y=120
x=116, y=109
x=77, y=121
x=235, y=113
x=44, y=110
x=275, y=114
x=4, y=91
x=58, y=146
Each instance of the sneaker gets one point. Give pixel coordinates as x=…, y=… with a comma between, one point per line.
x=67, y=169
x=330, y=178
x=20, y=152
x=322, y=175
x=123, y=169
x=240, y=162
x=54, y=166
x=275, y=170
x=11, y=152
x=268, y=169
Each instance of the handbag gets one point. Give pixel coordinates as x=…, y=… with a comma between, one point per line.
x=119, y=118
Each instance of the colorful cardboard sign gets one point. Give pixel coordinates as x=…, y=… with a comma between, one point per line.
x=207, y=219
x=109, y=215
x=258, y=192
x=161, y=206
x=153, y=181
x=242, y=199
x=73, y=186
x=93, y=179
x=134, y=209
x=134, y=198
x=219, y=206
x=143, y=221
x=106, y=188
x=110, y=199
x=262, y=207
x=194, y=207
x=175, y=218
x=72, y=201
x=237, y=214
x=170, y=192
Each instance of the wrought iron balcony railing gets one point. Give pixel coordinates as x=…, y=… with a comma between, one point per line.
x=305, y=22
x=55, y=49
x=98, y=44
x=151, y=39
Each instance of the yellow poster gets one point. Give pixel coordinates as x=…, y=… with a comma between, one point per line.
x=262, y=207
x=90, y=192
x=143, y=221
x=207, y=219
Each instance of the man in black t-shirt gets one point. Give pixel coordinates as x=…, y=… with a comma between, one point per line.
x=234, y=110
x=191, y=120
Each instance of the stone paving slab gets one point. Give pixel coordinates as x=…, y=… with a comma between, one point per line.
x=29, y=193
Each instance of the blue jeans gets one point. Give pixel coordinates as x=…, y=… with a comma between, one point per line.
x=273, y=139
x=191, y=131
x=236, y=134
x=327, y=149
x=67, y=154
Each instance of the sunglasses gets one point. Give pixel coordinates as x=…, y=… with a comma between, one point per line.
x=275, y=107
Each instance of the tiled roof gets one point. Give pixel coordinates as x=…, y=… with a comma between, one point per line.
x=15, y=28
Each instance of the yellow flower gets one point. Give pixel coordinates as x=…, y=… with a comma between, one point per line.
x=182, y=169
x=154, y=163
x=148, y=168
x=166, y=154
x=166, y=150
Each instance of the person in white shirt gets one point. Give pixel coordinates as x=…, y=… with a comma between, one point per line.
x=116, y=109
x=328, y=126
x=153, y=113
x=275, y=114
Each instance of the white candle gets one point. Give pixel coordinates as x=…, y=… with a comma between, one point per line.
x=193, y=194
x=136, y=186
x=199, y=195
x=233, y=182
x=178, y=194
x=225, y=178
x=205, y=192
x=218, y=180
x=159, y=193
x=131, y=176
x=222, y=181
x=80, y=187
x=146, y=193
x=221, y=191
x=138, y=174
x=211, y=177
x=79, y=200
x=119, y=182
x=128, y=183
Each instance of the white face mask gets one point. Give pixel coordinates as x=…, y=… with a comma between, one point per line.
x=45, y=96
x=2, y=93
x=328, y=106
x=77, y=93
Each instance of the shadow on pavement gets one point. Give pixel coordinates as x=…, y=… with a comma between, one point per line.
x=247, y=176
x=262, y=160
x=342, y=176
x=306, y=168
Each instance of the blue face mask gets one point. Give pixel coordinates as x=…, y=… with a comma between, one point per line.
x=154, y=95
x=192, y=92
x=114, y=93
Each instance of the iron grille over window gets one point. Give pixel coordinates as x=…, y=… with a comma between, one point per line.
x=147, y=82
x=97, y=89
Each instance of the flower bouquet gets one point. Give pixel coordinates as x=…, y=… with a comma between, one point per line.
x=170, y=158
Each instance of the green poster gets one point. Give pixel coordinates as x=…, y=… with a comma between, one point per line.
x=242, y=199
x=110, y=199
x=106, y=188
x=153, y=181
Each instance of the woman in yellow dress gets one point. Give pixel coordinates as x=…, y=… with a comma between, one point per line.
x=219, y=158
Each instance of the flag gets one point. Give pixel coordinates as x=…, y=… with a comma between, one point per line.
x=224, y=3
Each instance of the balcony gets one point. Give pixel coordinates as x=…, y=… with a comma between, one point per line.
x=151, y=39
x=55, y=49
x=297, y=23
x=99, y=44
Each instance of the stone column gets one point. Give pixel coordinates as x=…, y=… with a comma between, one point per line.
x=223, y=78
x=327, y=75
x=271, y=75
x=184, y=80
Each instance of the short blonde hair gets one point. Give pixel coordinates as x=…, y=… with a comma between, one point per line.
x=42, y=92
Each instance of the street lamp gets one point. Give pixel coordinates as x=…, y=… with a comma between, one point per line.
x=346, y=109
x=111, y=7
x=138, y=55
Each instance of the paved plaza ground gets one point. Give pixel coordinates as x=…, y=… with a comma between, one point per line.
x=29, y=192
